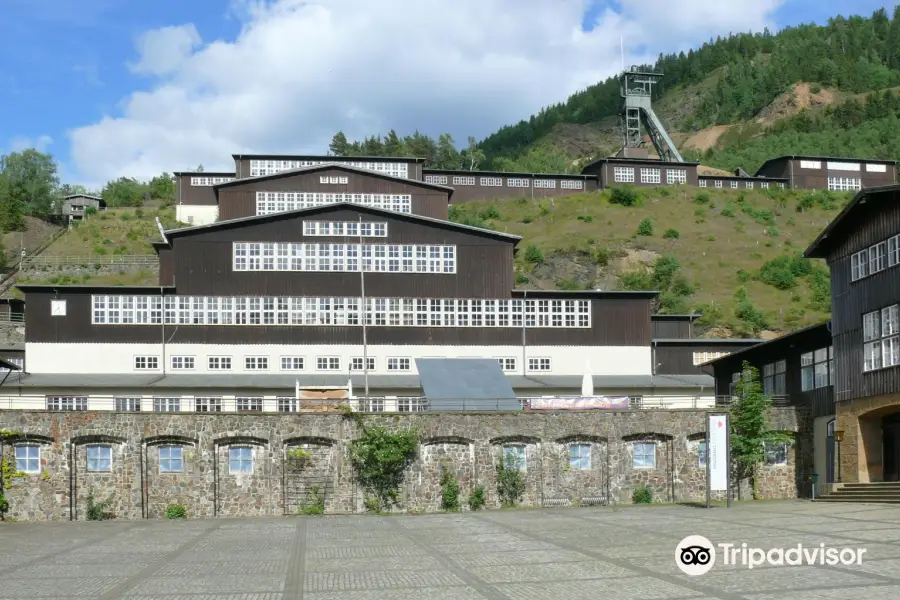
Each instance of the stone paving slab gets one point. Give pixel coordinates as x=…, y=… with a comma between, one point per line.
x=559, y=554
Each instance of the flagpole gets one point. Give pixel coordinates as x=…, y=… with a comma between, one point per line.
x=365, y=310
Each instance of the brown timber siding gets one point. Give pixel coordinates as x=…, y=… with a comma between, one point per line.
x=203, y=262
x=675, y=359
x=166, y=266
x=606, y=172
x=850, y=301
x=242, y=165
x=756, y=182
x=615, y=322
x=240, y=200
x=817, y=179
x=196, y=195
x=670, y=329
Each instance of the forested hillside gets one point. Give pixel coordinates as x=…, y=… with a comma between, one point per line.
x=745, y=84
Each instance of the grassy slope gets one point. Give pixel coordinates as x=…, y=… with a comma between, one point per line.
x=711, y=248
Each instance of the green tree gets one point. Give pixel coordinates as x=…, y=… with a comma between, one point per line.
x=33, y=181
x=448, y=156
x=750, y=431
x=339, y=145
x=393, y=145
x=124, y=191
x=473, y=156
x=162, y=187
x=380, y=458
x=12, y=217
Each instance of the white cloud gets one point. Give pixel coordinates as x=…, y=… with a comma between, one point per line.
x=301, y=70
x=40, y=143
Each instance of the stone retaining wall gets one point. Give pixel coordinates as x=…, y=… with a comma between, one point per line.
x=466, y=444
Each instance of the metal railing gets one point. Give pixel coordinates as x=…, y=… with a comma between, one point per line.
x=12, y=319
x=114, y=260
x=176, y=403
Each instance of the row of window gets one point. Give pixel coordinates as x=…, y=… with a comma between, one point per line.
x=395, y=312
x=275, y=202
x=270, y=167
x=816, y=369
x=378, y=258
x=649, y=175
x=875, y=258
x=209, y=181
x=844, y=184
x=513, y=182
x=704, y=357
x=240, y=458
x=881, y=338
x=215, y=404
x=323, y=363
x=843, y=166
x=334, y=180
x=344, y=228
x=735, y=184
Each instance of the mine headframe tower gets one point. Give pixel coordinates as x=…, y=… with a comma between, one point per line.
x=636, y=88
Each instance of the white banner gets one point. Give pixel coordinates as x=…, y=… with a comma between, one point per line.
x=717, y=453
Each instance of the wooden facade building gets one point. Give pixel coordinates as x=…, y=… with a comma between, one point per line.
x=829, y=173
x=616, y=171
x=478, y=186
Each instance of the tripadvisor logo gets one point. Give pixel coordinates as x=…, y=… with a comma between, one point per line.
x=696, y=555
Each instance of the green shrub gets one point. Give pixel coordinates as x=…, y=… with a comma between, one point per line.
x=449, y=490
x=527, y=219
x=699, y=212
x=625, y=195
x=645, y=227
x=815, y=88
x=315, y=502
x=97, y=511
x=570, y=284
x=672, y=234
x=544, y=210
x=534, y=255
x=125, y=216
x=772, y=231
x=90, y=210
x=727, y=211
x=476, y=498
x=782, y=271
x=379, y=458
x=490, y=212
x=585, y=218
x=642, y=495
x=522, y=279
x=176, y=511
x=510, y=480
x=702, y=198
x=99, y=250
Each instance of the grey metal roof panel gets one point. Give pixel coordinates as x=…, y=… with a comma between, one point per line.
x=463, y=378
x=342, y=166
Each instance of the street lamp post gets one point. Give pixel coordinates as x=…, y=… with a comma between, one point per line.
x=839, y=437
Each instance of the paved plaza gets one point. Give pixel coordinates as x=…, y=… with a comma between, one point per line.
x=562, y=554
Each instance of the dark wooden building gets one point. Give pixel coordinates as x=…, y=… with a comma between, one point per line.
x=830, y=173
x=195, y=196
x=640, y=172
x=473, y=186
x=681, y=356
x=673, y=326
x=862, y=248
x=796, y=369
x=741, y=182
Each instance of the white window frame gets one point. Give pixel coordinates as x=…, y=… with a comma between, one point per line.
x=545, y=184
x=399, y=363
x=30, y=459
x=67, y=403
x=173, y=461
x=675, y=176
x=702, y=183
x=207, y=404
x=256, y=363
x=844, y=184
x=491, y=182
x=748, y=185
x=182, y=363
x=718, y=184
x=774, y=378
x=571, y=184
x=508, y=364
x=518, y=182
x=705, y=357
x=876, y=168
x=166, y=404
x=580, y=456
x=379, y=258
x=146, y=363
x=436, y=179
x=100, y=455
x=811, y=365
x=218, y=363
x=463, y=180
x=245, y=404
x=243, y=458
x=654, y=175
x=734, y=184
x=292, y=363
x=641, y=452
x=844, y=166
x=810, y=164
x=540, y=364
x=328, y=363
x=623, y=174
x=356, y=364
x=276, y=202
x=128, y=403
x=764, y=185
x=877, y=257
x=881, y=338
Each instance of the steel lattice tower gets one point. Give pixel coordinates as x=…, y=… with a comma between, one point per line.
x=636, y=88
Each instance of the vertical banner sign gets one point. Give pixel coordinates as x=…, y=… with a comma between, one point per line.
x=717, y=453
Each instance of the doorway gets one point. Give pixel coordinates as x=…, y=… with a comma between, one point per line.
x=890, y=429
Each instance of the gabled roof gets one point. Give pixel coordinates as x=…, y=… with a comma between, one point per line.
x=835, y=158
x=91, y=196
x=506, y=173
x=834, y=230
x=290, y=214
x=339, y=167
x=384, y=159
x=822, y=329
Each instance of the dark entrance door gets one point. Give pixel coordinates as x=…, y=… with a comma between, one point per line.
x=829, y=453
x=890, y=427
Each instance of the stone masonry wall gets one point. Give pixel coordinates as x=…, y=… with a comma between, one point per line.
x=212, y=482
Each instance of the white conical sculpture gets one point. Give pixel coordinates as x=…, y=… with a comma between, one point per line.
x=350, y=388
x=587, y=382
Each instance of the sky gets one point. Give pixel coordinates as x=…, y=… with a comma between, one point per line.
x=133, y=88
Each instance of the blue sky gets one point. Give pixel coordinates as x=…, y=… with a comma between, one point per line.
x=65, y=65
